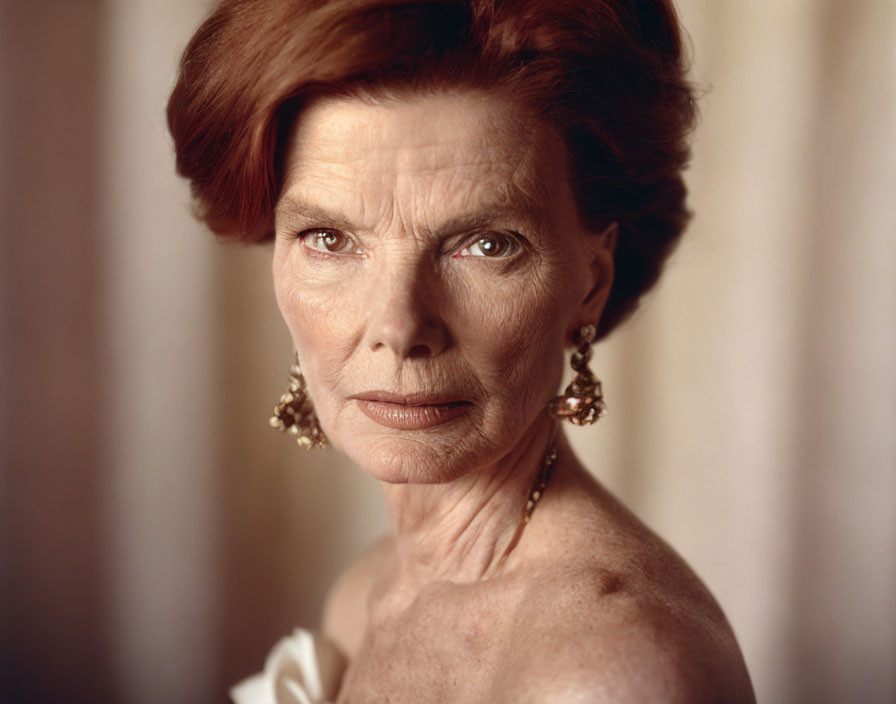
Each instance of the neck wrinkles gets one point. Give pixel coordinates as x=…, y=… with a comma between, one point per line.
x=459, y=531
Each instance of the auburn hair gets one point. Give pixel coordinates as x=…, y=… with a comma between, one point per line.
x=610, y=75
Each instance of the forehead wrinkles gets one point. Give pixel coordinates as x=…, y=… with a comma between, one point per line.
x=423, y=155
x=462, y=176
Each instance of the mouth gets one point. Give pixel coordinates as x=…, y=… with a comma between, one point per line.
x=411, y=411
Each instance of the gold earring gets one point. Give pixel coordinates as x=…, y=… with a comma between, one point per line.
x=583, y=401
x=295, y=413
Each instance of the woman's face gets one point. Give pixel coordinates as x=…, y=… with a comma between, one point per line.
x=430, y=265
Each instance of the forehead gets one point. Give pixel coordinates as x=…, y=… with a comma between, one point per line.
x=445, y=148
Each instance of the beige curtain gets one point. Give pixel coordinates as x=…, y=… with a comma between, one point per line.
x=157, y=538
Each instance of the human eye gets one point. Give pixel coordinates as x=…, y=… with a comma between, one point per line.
x=492, y=245
x=329, y=242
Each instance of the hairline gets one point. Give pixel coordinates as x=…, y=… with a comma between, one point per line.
x=535, y=197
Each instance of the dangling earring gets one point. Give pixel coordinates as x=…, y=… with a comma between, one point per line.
x=295, y=413
x=583, y=401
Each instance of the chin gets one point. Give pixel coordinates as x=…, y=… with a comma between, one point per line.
x=418, y=458
x=433, y=455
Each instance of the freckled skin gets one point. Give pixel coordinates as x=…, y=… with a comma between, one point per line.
x=381, y=274
x=493, y=330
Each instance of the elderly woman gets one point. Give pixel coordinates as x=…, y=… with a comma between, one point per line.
x=457, y=191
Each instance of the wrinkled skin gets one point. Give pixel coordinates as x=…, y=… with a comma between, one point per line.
x=410, y=301
x=429, y=244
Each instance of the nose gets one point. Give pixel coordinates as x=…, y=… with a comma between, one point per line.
x=404, y=316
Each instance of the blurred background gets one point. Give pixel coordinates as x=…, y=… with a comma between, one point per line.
x=157, y=537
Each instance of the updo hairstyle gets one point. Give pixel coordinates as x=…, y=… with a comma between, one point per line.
x=608, y=74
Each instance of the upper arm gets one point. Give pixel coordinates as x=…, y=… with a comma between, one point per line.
x=635, y=648
x=625, y=672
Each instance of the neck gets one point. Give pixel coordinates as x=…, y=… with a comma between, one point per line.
x=461, y=531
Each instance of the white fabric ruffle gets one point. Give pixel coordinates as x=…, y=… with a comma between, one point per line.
x=303, y=668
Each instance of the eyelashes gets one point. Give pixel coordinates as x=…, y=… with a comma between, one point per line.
x=329, y=242
x=486, y=245
x=492, y=245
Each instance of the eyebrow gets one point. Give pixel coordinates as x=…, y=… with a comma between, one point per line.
x=296, y=212
x=293, y=211
x=486, y=216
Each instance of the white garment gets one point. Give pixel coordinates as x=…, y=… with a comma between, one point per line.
x=304, y=668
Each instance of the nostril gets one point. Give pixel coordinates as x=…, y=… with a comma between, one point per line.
x=419, y=351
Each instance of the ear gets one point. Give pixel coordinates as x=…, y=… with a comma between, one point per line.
x=599, y=251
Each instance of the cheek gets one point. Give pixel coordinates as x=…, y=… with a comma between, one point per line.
x=521, y=334
x=317, y=313
x=293, y=307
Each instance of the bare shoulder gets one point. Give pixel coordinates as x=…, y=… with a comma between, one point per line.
x=345, y=609
x=610, y=641
x=599, y=634
x=624, y=621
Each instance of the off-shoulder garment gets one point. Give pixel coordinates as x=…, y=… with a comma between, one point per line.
x=303, y=668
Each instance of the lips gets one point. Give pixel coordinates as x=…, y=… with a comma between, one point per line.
x=411, y=411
